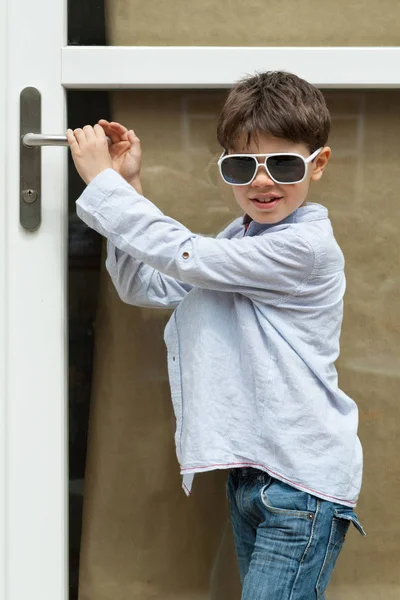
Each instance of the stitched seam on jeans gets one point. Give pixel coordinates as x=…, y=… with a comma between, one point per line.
x=312, y=531
x=327, y=556
x=341, y=539
x=241, y=509
x=300, y=514
x=306, y=550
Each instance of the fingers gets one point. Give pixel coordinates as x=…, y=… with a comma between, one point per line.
x=73, y=144
x=120, y=129
x=132, y=137
x=116, y=132
x=112, y=134
x=120, y=134
x=89, y=133
x=99, y=132
x=80, y=137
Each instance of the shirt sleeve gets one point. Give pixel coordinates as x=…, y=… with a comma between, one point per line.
x=141, y=285
x=265, y=268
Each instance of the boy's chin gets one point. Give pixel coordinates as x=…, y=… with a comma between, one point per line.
x=273, y=216
x=269, y=217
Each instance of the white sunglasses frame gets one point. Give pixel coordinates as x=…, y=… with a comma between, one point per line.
x=264, y=164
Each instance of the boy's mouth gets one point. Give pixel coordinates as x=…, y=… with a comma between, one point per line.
x=266, y=201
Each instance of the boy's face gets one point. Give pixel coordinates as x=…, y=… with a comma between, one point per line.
x=287, y=198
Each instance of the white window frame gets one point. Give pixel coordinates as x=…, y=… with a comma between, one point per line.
x=128, y=67
x=33, y=266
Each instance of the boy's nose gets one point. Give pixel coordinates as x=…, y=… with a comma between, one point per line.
x=262, y=178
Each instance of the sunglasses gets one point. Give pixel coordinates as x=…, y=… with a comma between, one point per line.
x=282, y=167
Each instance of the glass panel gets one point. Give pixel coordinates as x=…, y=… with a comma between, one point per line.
x=86, y=26
x=254, y=23
x=138, y=526
x=84, y=252
x=141, y=536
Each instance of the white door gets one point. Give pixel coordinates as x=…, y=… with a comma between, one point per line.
x=33, y=264
x=33, y=340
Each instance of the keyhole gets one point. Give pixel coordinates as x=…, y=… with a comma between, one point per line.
x=29, y=195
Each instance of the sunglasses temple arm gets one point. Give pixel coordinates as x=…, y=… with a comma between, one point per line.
x=222, y=156
x=313, y=155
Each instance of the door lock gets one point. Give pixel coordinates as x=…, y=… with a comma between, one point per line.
x=29, y=196
x=30, y=178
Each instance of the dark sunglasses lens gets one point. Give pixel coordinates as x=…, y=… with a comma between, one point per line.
x=237, y=170
x=286, y=169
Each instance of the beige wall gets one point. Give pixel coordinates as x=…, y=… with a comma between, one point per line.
x=253, y=23
x=143, y=539
x=361, y=192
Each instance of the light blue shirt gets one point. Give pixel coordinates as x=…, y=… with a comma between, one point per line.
x=252, y=342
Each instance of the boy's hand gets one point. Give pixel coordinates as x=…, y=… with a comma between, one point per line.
x=89, y=151
x=125, y=152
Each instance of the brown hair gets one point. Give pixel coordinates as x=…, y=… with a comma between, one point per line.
x=278, y=104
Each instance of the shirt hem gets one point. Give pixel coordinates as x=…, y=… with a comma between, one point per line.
x=299, y=486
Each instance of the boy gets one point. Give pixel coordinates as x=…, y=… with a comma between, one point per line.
x=255, y=334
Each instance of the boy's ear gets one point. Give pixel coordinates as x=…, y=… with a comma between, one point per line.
x=320, y=163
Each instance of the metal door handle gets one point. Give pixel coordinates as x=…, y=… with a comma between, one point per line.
x=31, y=140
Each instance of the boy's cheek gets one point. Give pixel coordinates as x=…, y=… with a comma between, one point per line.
x=240, y=193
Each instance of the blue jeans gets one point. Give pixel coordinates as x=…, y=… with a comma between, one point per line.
x=287, y=541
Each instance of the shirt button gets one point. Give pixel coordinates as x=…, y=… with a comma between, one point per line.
x=185, y=255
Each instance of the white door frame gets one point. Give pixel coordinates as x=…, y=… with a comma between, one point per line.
x=33, y=308
x=3, y=308
x=33, y=266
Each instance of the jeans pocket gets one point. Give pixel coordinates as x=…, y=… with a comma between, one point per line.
x=339, y=528
x=341, y=513
x=281, y=499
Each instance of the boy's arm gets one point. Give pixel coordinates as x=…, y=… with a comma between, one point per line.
x=265, y=268
x=141, y=285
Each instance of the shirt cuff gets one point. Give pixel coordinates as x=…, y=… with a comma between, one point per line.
x=102, y=186
x=89, y=204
